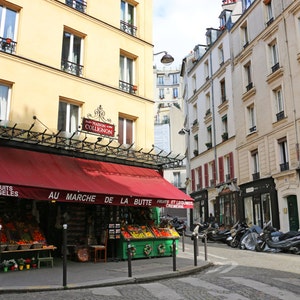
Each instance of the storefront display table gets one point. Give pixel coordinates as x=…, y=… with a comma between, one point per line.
x=98, y=253
x=43, y=254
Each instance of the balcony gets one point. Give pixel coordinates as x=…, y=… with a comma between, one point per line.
x=128, y=28
x=275, y=67
x=225, y=136
x=270, y=21
x=79, y=5
x=255, y=176
x=7, y=45
x=196, y=152
x=249, y=86
x=71, y=67
x=284, y=166
x=280, y=115
x=127, y=87
x=208, y=145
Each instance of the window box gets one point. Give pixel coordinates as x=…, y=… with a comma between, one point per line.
x=196, y=152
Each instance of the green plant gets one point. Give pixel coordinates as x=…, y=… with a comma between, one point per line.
x=21, y=261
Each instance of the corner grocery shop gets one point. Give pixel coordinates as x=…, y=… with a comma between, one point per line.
x=53, y=186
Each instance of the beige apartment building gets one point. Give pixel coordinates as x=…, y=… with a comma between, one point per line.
x=76, y=119
x=266, y=47
x=242, y=122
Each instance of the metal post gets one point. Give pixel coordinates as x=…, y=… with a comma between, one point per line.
x=0, y=241
x=129, y=258
x=195, y=239
x=183, y=235
x=65, y=227
x=174, y=254
x=205, y=246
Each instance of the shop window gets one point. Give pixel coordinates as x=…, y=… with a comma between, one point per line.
x=248, y=205
x=127, y=22
x=8, y=29
x=4, y=101
x=228, y=213
x=71, y=60
x=126, y=131
x=68, y=117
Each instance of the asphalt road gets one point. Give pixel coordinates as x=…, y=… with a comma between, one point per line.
x=237, y=275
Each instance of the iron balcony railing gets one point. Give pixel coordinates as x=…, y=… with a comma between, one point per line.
x=127, y=87
x=79, y=5
x=128, y=28
x=71, y=67
x=7, y=45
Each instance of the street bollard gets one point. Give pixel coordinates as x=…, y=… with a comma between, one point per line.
x=129, y=258
x=183, y=235
x=205, y=246
x=195, y=239
x=65, y=227
x=174, y=254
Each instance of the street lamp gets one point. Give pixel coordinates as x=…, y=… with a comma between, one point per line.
x=167, y=59
x=183, y=131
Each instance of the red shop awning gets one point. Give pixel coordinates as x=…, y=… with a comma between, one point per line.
x=43, y=176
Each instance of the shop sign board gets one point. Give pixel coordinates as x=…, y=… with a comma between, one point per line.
x=89, y=198
x=97, y=127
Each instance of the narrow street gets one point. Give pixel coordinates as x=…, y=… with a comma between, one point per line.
x=237, y=275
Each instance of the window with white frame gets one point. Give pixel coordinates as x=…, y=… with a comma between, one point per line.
x=225, y=127
x=79, y=5
x=279, y=105
x=269, y=12
x=175, y=92
x=160, y=80
x=251, y=118
x=209, y=136
x=223, y=90
x=255, y=164
x=4, y=101
x=71, y=58
x=161, y=93
x=174, y=78
x=227, y=167
x=206, y=70
x=221, y=55
x=126, y=73
x=176, y=179
x=8, y=29
x=245, y=37
x=207, y=104
x=283, y=154
x=126, y=131
x=274, y=56
x=68, y=117
x=248, y=76
x=127, y=22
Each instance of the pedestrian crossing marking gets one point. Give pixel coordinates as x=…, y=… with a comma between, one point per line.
x=161, y=291
x=265, y=288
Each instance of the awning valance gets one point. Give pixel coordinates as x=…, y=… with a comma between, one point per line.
x=43, y=176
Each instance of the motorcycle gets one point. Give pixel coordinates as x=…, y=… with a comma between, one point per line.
x=216, y=234
x=272, y=240
x=236, y=233
x=179, y=225
x=249, y=239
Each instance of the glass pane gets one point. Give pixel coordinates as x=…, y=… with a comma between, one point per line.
x=266, y=204
x=248, y=210
x=130, y=14
x=66, y=46
x=62, y=113
x=9, y=26
x=76, y=50
x=122, y=17
x=3, y=101
x=73, y=125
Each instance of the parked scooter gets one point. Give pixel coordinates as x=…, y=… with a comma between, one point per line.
x=236, y=233
x=272, y=240
x=216, y=234
x=249, y=239
x=179, y=225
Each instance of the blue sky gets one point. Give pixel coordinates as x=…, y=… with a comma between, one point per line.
x=179, y=25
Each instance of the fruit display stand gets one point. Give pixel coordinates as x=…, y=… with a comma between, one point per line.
x=146, y=241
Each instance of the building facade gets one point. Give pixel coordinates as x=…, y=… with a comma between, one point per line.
x=248, y=90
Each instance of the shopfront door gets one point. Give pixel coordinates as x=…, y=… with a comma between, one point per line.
x=293, y=212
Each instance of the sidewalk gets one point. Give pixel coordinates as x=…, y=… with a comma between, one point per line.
x=89, y=274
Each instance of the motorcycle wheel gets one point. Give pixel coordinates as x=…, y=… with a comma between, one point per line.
x=259, y=247
x=234, y=243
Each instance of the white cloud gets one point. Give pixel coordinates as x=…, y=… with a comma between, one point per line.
x=179, y=25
